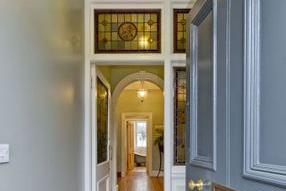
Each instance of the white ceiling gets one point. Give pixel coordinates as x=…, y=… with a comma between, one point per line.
x=137, y=85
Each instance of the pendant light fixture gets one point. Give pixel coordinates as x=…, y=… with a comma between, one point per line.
x=142, y=92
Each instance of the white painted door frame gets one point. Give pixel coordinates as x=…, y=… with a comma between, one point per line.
x=136, y=116
x=100, y=172
x=166, y=58
x=166, y=86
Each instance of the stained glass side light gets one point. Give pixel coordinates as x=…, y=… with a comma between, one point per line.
x=179, y=115
x=180, y=30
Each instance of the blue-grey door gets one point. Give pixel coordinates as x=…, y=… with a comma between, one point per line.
x=236, y=107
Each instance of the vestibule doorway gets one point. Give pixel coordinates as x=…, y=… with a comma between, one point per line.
x=128, y=80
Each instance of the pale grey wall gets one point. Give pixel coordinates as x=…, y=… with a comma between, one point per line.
x=40, y=94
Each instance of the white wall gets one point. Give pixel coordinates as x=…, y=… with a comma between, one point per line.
x=41, y=94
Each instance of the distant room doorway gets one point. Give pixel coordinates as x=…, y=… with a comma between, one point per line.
x=137, y=145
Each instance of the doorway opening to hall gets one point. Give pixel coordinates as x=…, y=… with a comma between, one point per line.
x=136, y=126
x=142, y=135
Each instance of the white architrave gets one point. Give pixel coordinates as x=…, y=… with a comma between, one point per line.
x=136, y=117
x=165, y=58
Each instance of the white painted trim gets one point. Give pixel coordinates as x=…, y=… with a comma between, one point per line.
x=154, y=173
x=168, y=158
x=87, y=113
x=101, y=180
x=93, y=134
x=133, y=116
x=178, y=170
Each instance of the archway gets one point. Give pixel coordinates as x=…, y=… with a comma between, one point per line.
x=147, y=76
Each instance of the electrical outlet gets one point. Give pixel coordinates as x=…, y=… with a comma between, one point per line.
x=4, y=153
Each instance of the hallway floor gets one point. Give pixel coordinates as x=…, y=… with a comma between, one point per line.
x=139, y=181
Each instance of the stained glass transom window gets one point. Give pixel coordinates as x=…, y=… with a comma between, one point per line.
x=180, y=30
x=179, y=115
x=124, y=31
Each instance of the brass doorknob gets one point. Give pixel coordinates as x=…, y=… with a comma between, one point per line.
x=199, y=185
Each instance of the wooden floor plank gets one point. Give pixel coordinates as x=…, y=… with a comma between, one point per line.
x=139, y=181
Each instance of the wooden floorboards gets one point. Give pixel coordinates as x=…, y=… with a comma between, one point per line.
x=139, y=181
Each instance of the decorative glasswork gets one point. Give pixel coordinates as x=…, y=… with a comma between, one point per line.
x=180, y=30
x=179, y=115
x=125, y=31
x=102, y=122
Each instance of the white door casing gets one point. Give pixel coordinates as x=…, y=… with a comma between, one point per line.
x=133, y=117
x=100, y=172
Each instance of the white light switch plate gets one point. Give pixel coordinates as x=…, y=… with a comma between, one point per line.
x=4, y=153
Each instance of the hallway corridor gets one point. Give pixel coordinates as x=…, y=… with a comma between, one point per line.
x=139, y=181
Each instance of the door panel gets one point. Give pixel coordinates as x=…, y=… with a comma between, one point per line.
x=205, y=89
x=272, y=72
x=100, y=96
x=264, y=103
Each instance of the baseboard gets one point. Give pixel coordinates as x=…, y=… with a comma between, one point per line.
x=115, y=188
x=154, y=173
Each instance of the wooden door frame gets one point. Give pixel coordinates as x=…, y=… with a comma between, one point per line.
x=136, y=116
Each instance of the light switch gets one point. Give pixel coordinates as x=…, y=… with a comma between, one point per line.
x=4, y=153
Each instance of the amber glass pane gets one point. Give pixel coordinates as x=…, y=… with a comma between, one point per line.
x=179, y=116
x=123, y=31
x=180, y=32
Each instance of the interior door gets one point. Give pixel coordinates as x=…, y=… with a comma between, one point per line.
x=130, y=145
x=101, y=155
x=207, y=167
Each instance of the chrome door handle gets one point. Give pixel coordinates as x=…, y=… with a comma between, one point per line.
x=199, y=185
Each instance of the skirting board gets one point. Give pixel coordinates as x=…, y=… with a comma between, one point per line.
x=155, y=173
x=123, y=174
x=116, y=188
